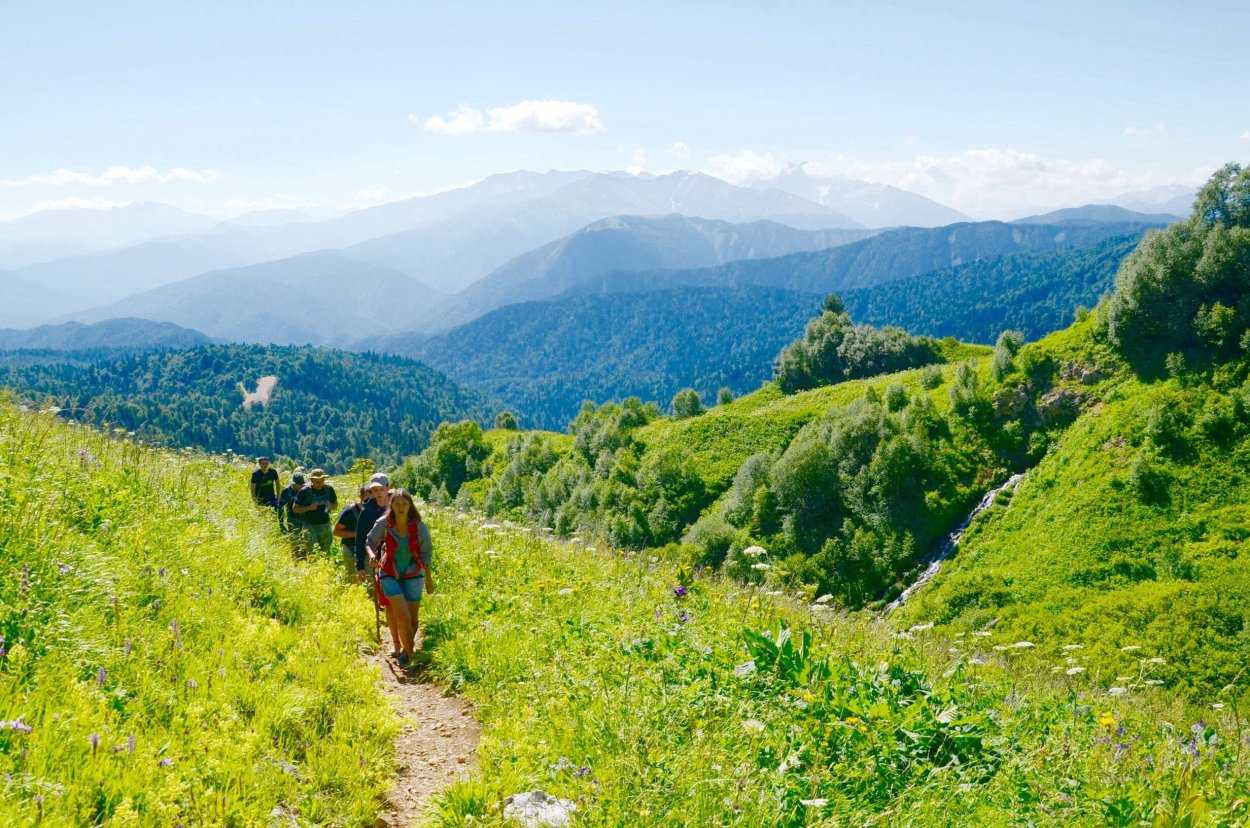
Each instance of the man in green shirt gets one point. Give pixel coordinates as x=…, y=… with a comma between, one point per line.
x=314, y=504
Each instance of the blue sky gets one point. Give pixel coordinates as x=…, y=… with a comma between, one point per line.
x=992, y=106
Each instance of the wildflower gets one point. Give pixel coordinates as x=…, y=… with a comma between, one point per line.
x=760, y=566
x=982, y=633
x=192, y=684
x=1072, y=671
x=126, y=646
x=1107, y=719
x=679, y=591
x=1130, y=648
x=165, y=763
x=580, y=772
x=130, y=744
x=1154, y=682
x=683, y=618
x=1116, y=691
x=1156, y=660
x=754, y=551
x=66, y=569
x=1022, y=645
x=824, y=599
x=819, y=802
x=1217, y=706
x=753, y=725
x=16, y=725
x=100, y=677
x=95, y=743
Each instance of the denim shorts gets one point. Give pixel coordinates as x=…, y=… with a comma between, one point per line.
x=410, y=588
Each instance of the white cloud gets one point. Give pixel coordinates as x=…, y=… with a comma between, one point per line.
x=1137, y=132
x=1008, y=182
x=461, y=122
x=373, y=194
x=681, y=150
x=990, y=183
x=745, y=165
x=1245, y=136
x=115, y=174
x=640, y=162
x=526, y=116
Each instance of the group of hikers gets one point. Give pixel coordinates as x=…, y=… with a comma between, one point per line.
x=382, y=540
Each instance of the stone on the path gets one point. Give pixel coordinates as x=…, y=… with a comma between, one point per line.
x=538, y=809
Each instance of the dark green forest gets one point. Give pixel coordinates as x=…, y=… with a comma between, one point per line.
x=544, y=359
x=328, y=407
x=1034, y=293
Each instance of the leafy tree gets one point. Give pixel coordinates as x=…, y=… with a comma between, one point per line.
x=724, y=396
x=1187, y=289
x=686, y=403
x=454, y=456
x=1005, y=349
x=506, y=420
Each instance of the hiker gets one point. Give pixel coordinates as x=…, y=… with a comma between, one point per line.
x=399, y=545
x=374, y=507
x=345, y=531
x=265, y=483
x=287, y=519
x=313, y=505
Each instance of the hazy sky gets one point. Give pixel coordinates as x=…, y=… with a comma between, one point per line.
x=224, y=107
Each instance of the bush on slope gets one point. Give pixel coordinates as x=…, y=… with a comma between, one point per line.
x=164, y=661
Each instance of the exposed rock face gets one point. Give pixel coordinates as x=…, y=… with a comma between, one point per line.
x=1009, y=404
x=1060, y=404
x=1084, y=374
x=538, y=809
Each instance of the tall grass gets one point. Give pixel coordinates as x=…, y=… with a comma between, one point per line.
x=622, y=683
x=165, y=662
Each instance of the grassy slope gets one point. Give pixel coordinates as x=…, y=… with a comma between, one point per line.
x=767, y=420
x=142, y=596
x=1079, y=558
x=596, y=682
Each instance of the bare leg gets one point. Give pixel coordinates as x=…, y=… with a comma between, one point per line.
x=414, y=615
x=392, y=624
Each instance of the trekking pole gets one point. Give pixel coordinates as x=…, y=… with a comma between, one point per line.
x=377, y=610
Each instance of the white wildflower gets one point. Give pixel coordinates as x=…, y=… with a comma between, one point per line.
x=824, y=599
x=819, y=802
x=1117, y=691
x=754, y=551
x=1072, y=671
x=1156, y=660
x=1067, y=647
x=760, y=566
x=1022, y=645
x=753, y=725
x=1130, y=648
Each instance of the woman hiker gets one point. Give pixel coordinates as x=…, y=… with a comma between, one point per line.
x=399, y=545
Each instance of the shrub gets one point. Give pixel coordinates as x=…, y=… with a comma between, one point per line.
x=506, y=420
x=686, y=403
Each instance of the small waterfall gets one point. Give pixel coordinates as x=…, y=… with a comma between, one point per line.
x=952, y=541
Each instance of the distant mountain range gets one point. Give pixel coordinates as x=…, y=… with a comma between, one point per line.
x=1094, y=214
x=322, y=298
x=870, y=204
x=883, y=258
x=627, y=243
x=1173, y=199
x=121, y=334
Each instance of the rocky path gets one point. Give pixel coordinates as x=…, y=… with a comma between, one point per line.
x=436, y=747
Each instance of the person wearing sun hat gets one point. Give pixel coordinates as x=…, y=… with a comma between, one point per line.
x=313, y=505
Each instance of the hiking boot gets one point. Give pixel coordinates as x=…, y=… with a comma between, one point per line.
x=404, y=660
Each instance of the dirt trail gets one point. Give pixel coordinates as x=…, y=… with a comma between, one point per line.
x=436, y=747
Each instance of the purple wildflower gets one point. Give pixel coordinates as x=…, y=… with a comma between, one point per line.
x=161, y=572
x=165, y=763
x=126, y=646
x=582, y=771
x=130, y=744
x=659, y=613
x=679, y=591
x=16, y=725
x=191, y=683
x=66, y=569
x=683, y=618
x=95, y=743
x=100, y=677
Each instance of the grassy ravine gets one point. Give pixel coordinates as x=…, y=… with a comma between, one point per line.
x=597, y=681
x=165, y=662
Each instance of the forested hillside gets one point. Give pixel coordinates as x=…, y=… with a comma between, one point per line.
x=543, y=359
x=326, y=409
x=124, y=334
x=1033, y=293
